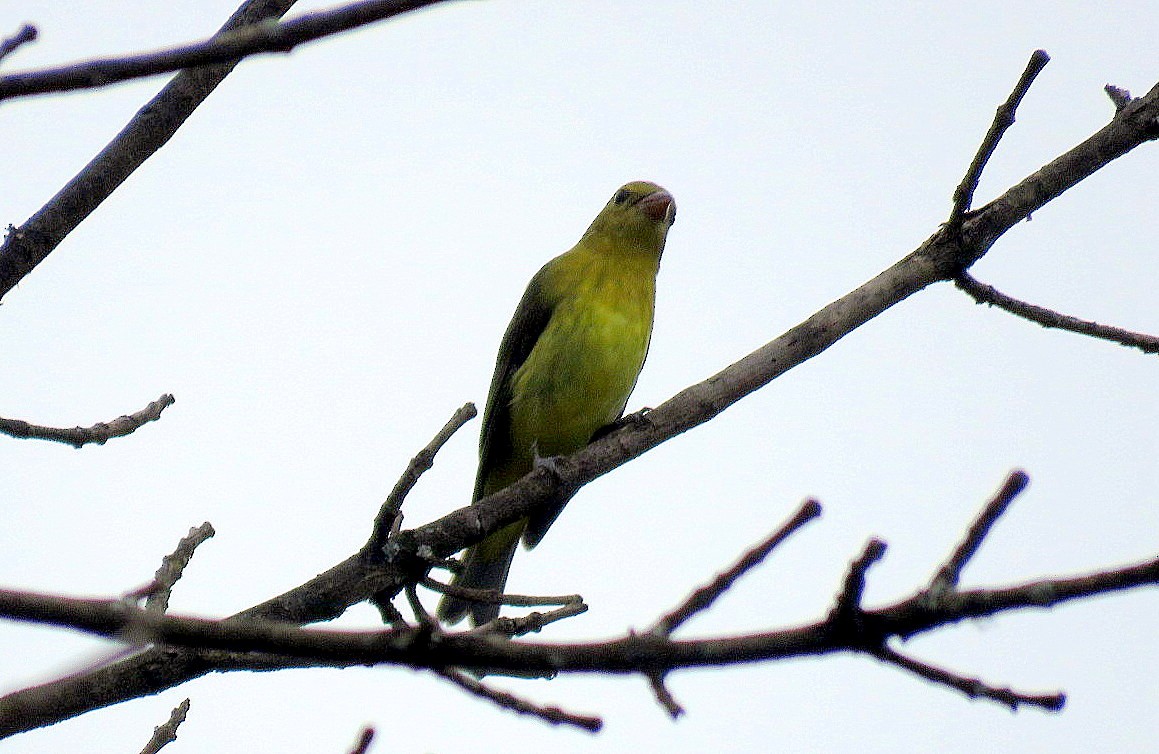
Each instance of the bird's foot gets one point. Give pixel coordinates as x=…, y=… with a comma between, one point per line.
x=637, y=420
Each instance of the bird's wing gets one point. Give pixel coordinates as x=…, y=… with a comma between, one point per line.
x=530, y=320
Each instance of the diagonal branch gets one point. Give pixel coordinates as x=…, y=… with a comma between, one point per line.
x=1003, y=119
x=389, y=513
x=229, y=47
x=702, y=598
x=507, y=700
x=99, y=433
x=973, y=688
x=149, y=130
x=166, y=733
x=988, y=294
x=173, y=565
x=27, y=33
x=947, y=576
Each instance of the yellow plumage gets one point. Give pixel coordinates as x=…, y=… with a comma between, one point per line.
x=566, y=366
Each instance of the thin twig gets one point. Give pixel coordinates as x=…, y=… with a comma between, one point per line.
x=490, y=596
x=848, y=604
x=158, y=591
x=663, y=696
x=988, y=294
x=388, y=612
x=167, y=732
x=364, y=739
x=26, y=34
x=530, y=623
x=266, y=36
x=971, y=687
x=1120, y=97
x=424, y=618
x=947, y=576
x=1003, y=119
x=98, y=433
x=507, y=700
x=389, y=512
x=703, y=597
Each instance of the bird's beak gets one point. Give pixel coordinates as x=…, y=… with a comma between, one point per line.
x=659, y=205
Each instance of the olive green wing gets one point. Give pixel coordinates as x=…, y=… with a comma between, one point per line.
x=528, y=323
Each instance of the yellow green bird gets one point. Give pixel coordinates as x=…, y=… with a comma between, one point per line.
x=566, y=366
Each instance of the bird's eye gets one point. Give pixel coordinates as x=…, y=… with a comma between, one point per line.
x=622, y=196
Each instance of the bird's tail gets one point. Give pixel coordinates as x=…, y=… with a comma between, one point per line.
x=485, y=566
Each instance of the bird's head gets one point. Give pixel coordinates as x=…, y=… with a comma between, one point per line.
x=638, y=214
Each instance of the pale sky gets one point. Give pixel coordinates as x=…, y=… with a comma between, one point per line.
x=320, y=265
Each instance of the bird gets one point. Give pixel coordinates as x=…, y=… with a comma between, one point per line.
x=567, y=364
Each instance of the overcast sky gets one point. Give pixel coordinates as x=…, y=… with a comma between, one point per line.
x=322, y=261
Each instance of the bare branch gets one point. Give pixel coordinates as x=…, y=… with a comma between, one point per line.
x=98, y=433
x=388, y=514
x=530, y=623
x=158, y=591
x=987, y=294
x=153, y=125
x=1003, y=119
x=253, y=642
x=663, y=696
x=492, y=597
x=362, y=746
x=26, y=34
x=947, y=576
x=166, y=733
x=848, y=606
x=228, y=47
x=703, y=597
x=507, y=700
x=971, y=687
x=1120, y=97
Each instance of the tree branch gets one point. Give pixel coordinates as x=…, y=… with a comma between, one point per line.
x=947, y=576
x=507, y=700
x=702, y=598
x=24, y=35
x=389, y=513
x=158, y=591
x=167, y=732
x=987, y=294
x=362, y=745
x=225, y=47
x=259, y=644
x=99, y=433
x=971, y=687
x=1003, y=119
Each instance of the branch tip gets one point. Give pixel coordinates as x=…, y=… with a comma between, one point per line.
x=389, y=515
x=973, y=688
x=362, y=745
x=988, y=294
x=946, y=579
x=663, y=696
x=1003, y=119
x=166, y=733
x=507, y=700
x=27, y=33
x=702, y=598
x=99, y=433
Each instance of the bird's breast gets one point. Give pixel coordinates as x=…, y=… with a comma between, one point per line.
x=584, y=365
